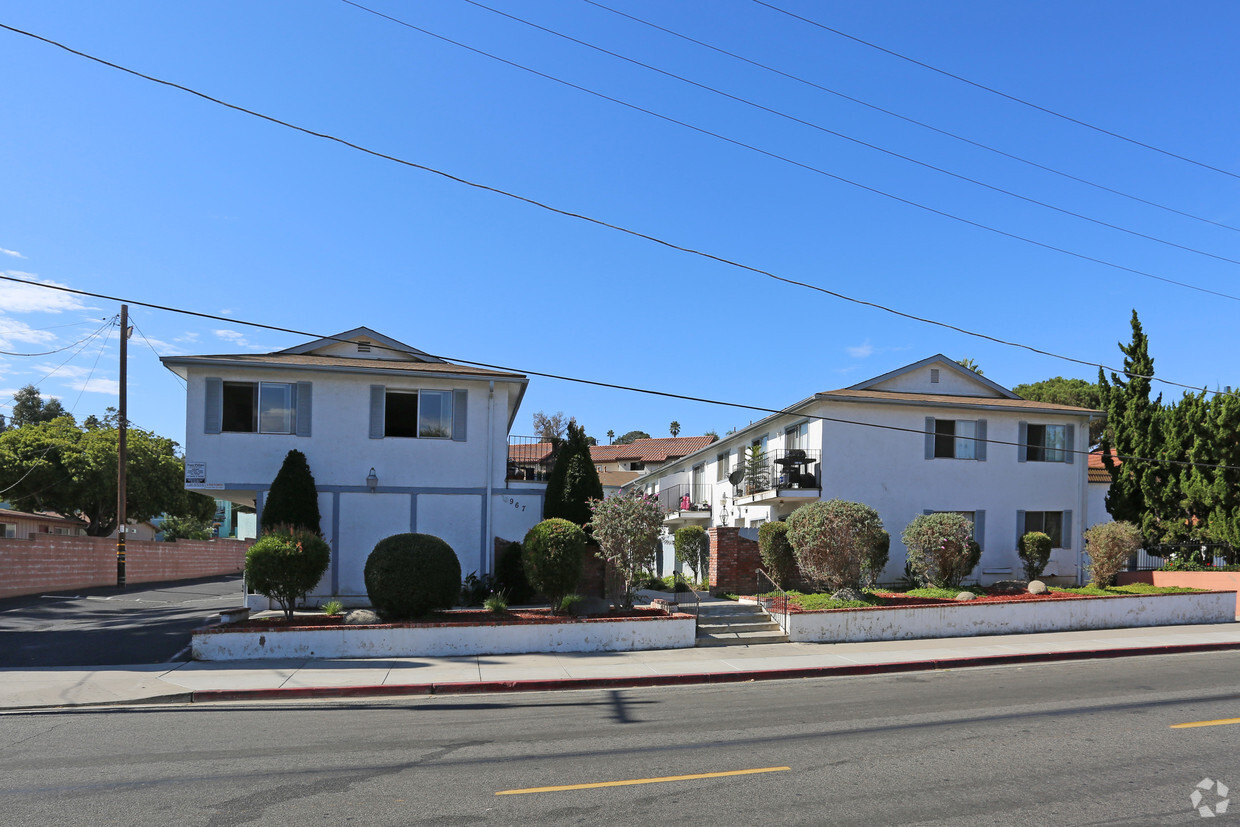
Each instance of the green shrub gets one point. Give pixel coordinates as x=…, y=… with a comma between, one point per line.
x=626, y=527
x=409, y=575
x=475, y=589
x=693, y=549
x=332, y=607
x=941, y=551
x=1035, y=552
x=875, y=561
x=567, y=603
x=510, y=575
x=553, y=556
x=832, y=539
x=1109, y=545
x=573, y=481
x=292, y=499
x=777, y=556
x=496, y=603
x=285, y=565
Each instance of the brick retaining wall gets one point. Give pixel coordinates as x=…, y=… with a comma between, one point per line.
x=55, y=562
x=734, y=561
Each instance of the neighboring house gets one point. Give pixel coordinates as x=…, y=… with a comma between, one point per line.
x=397, y=441
x=22, y=525
x=1099, y=487
x=144, y=530
x=933, y=436
x=647, y=454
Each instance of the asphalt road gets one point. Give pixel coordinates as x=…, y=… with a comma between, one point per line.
x=148, y=623
x=1082, y=743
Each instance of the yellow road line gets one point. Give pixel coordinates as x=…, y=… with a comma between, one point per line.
x=640, y=781
x=1219, y=722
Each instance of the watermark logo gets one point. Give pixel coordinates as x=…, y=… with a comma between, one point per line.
x=1202, y=792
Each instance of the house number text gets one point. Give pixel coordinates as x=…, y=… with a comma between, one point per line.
x=515, y=503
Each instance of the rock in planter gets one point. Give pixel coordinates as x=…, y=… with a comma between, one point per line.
x=848, y=594
x=1008, y=587
x=360, y=617
x=966, y=596
x=1037, y=587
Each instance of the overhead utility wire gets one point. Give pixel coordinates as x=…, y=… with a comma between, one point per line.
x=1001, y=94
x=751, y=147
x=596, y=382
x=50, y=352
x=83, y=342
x=913, y=121
x=843, y=136
x=566, y=213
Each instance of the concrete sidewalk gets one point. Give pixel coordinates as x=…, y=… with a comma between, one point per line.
x=291, y=679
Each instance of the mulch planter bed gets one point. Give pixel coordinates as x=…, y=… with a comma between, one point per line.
x=455, y=617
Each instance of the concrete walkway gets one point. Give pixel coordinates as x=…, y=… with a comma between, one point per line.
x=290, y=679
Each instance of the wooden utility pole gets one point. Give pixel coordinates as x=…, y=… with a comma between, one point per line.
x=122, y=454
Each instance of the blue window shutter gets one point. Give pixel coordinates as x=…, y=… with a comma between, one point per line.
x=214, y=408
x=979, y=449
x=378, y=394
x=1070, y=456
x=1020, y=527
x=1067, y=529
x=303, y=395
x=929, y=437
x=979, y=528
x=1022, y=443
x=459, y=410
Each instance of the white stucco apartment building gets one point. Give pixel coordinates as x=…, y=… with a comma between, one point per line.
x=930, y=436
x=397, y=441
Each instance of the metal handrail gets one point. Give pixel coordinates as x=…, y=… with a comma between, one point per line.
x=783, y=597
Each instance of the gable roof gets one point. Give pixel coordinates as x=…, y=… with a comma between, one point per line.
x=994, y=387
x=950, y=400
x=362, y=334
x=654, y=449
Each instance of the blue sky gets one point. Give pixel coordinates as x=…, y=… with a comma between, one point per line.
x=119, y=186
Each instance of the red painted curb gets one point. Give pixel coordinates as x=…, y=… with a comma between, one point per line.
x=690, y=679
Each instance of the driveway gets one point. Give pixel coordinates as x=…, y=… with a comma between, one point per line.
x=146, y=623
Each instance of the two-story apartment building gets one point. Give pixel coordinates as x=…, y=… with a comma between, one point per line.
x=397, y=441
x=930, y=436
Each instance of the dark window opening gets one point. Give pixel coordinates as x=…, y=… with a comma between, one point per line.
x=400, y=414
x=240, y=407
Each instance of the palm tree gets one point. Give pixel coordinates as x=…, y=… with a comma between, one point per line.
x=674, y=427
x=610, y=436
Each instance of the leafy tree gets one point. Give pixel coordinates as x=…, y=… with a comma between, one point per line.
x=1075, y=392
x=940, y=548
x=185, y=528
x=1108, y=546
x=293, y=500
x=626, y=526
x=631, y=436
x=833, y=539
x=57, y=466
x=30, y=409
x=573, y=482
x=969, y=364
x=1133, y=429
x=692, y=545
x=549, y=428
x=674, y=428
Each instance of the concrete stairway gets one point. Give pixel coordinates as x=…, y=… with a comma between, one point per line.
x=727, y=623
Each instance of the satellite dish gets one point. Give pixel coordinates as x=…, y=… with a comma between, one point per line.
x=736, y=476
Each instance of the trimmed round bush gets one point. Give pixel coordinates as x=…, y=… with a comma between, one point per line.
x=876, y=560
x=940, y=546
x=409, y=575
x=554, y=552
x=1034, y=549
x=285, y=565
x=510, y=575
x=832, y=540
x=777, y=556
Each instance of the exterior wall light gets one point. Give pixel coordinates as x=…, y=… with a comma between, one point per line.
x=372, y=481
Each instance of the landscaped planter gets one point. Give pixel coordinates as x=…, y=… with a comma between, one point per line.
x=399, y=640
x=1214, y=580
x=967, y=619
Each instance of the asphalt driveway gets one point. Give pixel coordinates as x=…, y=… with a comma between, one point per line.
x=146, y=623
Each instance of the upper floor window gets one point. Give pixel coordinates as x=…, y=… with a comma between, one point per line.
x=723, y=466
x=955, y=438
x=423, y=414
x=1046, y=443
x=797, y=436
x=259, y=407
x=637, y=465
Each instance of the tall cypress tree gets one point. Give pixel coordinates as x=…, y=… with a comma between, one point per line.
x=292, y=499
x=1133, y=430
x=573, y=481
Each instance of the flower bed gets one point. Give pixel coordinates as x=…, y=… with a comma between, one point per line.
x=467, y=632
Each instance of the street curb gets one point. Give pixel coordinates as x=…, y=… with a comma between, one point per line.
x=690, y=679
x=185, y=697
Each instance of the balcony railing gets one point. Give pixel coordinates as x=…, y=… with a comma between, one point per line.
x=686, y=497
x=781, y=469
x=530, y=457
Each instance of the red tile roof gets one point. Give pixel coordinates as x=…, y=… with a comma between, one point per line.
x=1097, y=471
x=655, y=449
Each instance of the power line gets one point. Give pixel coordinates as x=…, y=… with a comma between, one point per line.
x=153, y=350
x=51, y=352
x=596, y=221
x=599, y=383
x=914, y=121
x=841, y=135
x=84, y=342
x=734, y=142
x=994, y=91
